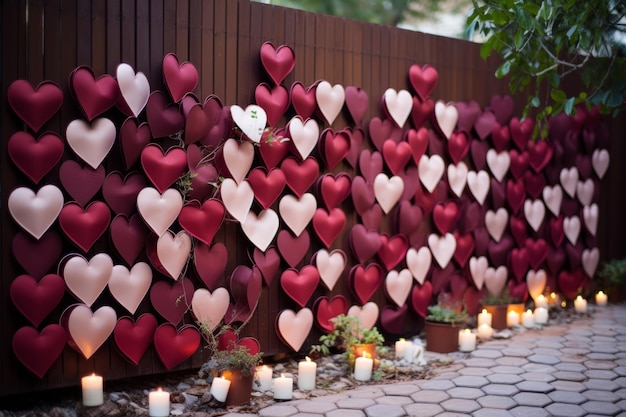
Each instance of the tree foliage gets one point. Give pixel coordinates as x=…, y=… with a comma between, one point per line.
x=542, y=42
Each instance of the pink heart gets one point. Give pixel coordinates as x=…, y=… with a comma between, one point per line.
x=478, y=268
x=297, y=213
x=277, y=62
x=237, y=198
x=398, y=286
x=210, y=308
x=130, y=287
x=367, y=314
x=134, y=88
x=388, y=191
x=293, y=328
x=330, y=100
x=397, y=105
x=446, y=117
x=173, y=251
x=87, y=279
x=330, y=266
x=91, y=141
x=304, y=135
x=261, y=228
x=357, y=138
x=356, y=102
x=90, y=330
x=536, y=282
x=35, y=212
x=418, y=262
x=442, y=248
x=180, y=79
x=159, y=210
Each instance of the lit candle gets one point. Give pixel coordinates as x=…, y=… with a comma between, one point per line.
x=159, y=403
x=401, y=346
x=92, y=390
x=484, y=318
x=541, y=315
x=528, y=319
x=601, y=298
x=307, y=370
x=467, y=340
x=485, y=331
x=512, y=319
x=283, y=388
x=219, y=388
x=554, y=300
x=263, y=378
x=580, y=305
x=541, y=301
x=363, y=368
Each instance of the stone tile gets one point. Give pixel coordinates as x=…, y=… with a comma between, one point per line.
x=601, y=384
x=544, y=359
x=422, y=410
x=465, y=393
x=491, y=412
x=516, y=351
x=535, y=386
x=538, y=376
x=575, y=351
x=532, y=399
x=470, y=381
x=539, y=367
x=620, y=370
x=486, y=353
x=345, y=413
x=400, y=389
x=572, y=358
x=430, y=396
x=474, y=371
x=571, y=386
x=547, y=352
x=601, y=356
x=570, y=376
x=500, y=389
x=567, y=397
x=504, y=369
x=371, y=393
x=600, y=364
x=598, y=395
x=570, y=367
x=307, y=415
x=446, y=375
x=600, y=374
x=394, y=400
x=278, y=411
x=355, y=403
x=504, y=378
x=512, y=361
x=435, y=384
x=385, y=410
x=446, y=414
x=330, y=397
x=565, y=410
x=496, y=401
x=316, y=407
x=622, y=393
x=603, y=348
x=621, y=404
x=460, y=405
x=598, y=407
x=621, y=381
x=480, y=363
x=525, y=411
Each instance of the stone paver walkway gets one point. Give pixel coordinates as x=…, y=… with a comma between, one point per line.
x=570, y=370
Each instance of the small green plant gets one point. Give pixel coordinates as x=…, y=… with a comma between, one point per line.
x=347, y=332
x=237, y=357
x=502, y=298
x=612, y=273
x=447, y=311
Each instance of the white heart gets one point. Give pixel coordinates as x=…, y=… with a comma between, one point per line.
x=590, y=216
x=590, y=260
x=261, y=229
x=237, y=198
x=430, y=170
x=536, y=282
x=498, y=163
x=297, y=212
x=418, y=262
x=135, y=88
x=478, y=183
x=398, y=286
x=399, y=105
x=87, y=280
x=210, y=308
x=495, y=279
x=304, y=135
x=535, y=212
x=367, y=315
x=600, y=162
x=496, y=222
x=388, y=191
x=571, y=228
x=569, y=179
x=130, y=287
x=159, y=211
x=173, y=252
x=293, y=327
x=553, y=197
x=251, y=121
x=35, y=213
x=90, y=330
x=330, y=266
x=446, y=115
x=457, y=177
x=238, y=158
x=584, y=191
x=330, y=100
x=442, y=247
x=91, y=142
x=478, y=268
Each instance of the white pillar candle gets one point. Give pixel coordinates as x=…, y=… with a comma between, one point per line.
x=601, y=298
x=92, y=390
x=485, y=331
x=283, y=388
x=484, y=318
x=512, y=319
x=307, y=370
x=159, y=403
x=528, y=319
x=467, y=340
x=263, y=378
x=541, y=301
x=580, y=305
x=363, y=368
x=541, y=315
x=401, y=346
x=219, y=388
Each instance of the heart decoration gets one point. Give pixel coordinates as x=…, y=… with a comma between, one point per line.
x=163, y=168
x=457, y=177
x=202, y=221
x=238, y=158
x=388, y=191
x=174, y=346
x=210, y=262
x=84, y=227
x=37, y=257
x=304, y=135
x=251, y=121
x=519, y=263
x=478, y=268
x=237, y=198
x=171, y=301
x=478, y=183
x=534, y=211
x=273, y=147
x=36, y=299
x=35, y=106
x=381, y=130
x=495, y=279
x=539, y=154
x=94, y=96
x=134, y=88
x=600, y=162
x=495, y=222
x=91, y=141
x=569, y=180
x=421, y=296
x=87, y=279
x=418, y=262
x=498, y=163
x=442, y=248
x=363, y=242
x=159, y=211
x=590, y=261
x=357, y=139
x=261, y=229
x=392, y=319
x=210, y=308
x=165, y=118
x=326, y=309
x=585, y=191
x=134, y=337
x=370, y=165
x=392, y=250
x=173, y=252
x=330, y=266
x=120, y=193
x=365, y=280
x=458, y=146
x=180, y=79
x=356, y=102
x=39, y=350
x=128, y=236
x=515, y=194
x=300, y=285
x=35, y=157
x=396, y=155
x=445, y=216
x=303, y=100
x=521, y=131
x=81, y=183
x=130, y=287
x=397, y=105
x=553, y=197
x=293, y=328
x=328, y=224
x=274, y=100
x=367, y=314
x=300, y=175
x=197, y=122
x=398, y=286
x=330, y=100
x=590, y=217
x=465, y=246
x=334, y=189
x=536, y=282
x=89, y=330
x=446, y=116
x=334, y=146
x=277, y=62
x=571, y=228
x=430, y=171
x=296, y=212
x=423, y=79
x=35, y=213
x=408, y=218
x=293, y=248
x=468, y=114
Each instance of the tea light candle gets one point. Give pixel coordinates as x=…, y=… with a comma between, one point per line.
x=363, y=368
x=263, y=378
x=528, y=319
x=485, y=331
x=484, y=318
x=541, y=301
x=283, y=388
x=467, y=340
x=401, y=346
x=601, y=298
x=219, y=388
x=554, y=299
x=512, y=319
x=159, y=403
x=541, y=315
x=580, y=305
x=307, y=370
x=92, y=390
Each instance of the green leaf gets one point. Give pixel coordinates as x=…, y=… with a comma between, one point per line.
x=535, y=101
x=571, y=31
x=558, y=96
x=568, y=106
x=485, y=50
x=503, y=69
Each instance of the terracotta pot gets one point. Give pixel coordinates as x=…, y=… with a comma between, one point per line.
x=240, y=387
x=442, y=337
x=498, y=315
x=356, y=351
x=519, y=308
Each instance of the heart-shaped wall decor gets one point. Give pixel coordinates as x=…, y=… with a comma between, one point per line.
x=397, y=105
x=334, y=146
x=164, y=117
x=204, y=175
x=367, y=314
x=251, y=121
x=496, y=221
x=442, y=248
x=120, y=193
x=569, y=180
x=210, y=308
x=458, y=146
x=569, y=282
x=536, y=282
x=134, y=88
x=478, y=183
x=297, y=212
x=35, y=157
x=381, y=130
x=571, y=228
x=261, y=229
x=486, y=124
x=498, y=163
x=392, y=250
x=557, y=234
x=35, y=213
x=277, y=62
x=245, y=286
x=39, y=350
x=465, y=246
x=94, y=96
x=180, y=79
x=197, y=122
x=267, y=186
x=370, y=164
x=210, y=262
x=81, y=183
x=158, y=210
x=421, y=297
x=174, y=346
x=423, y=79
x=388, y=191
x=553, y=197
x=585, y=191
x=37, y=257
x=519, y=163
x=128, y=236
x=334, y=189
x=468, y=114
x=445, y=216
x=365, y=280
x=172, y=301
x=134, y=337
x=430, y=171
x=304, y=135
x=328, y=224
x=418, y=141
x=422, y=112
x=363, y=242
x=237, y=198
x=238, y=157
x=163, y=168
x=590, y=216
x=273, y=147
x=300, y=176
x=392, y=318
x=600, y=162
x=519, y=263
x=408, y=218
x=173, y=252
x=330, y=266
x=357, y=103
x=84, y=227
x=590, y=260
x=396, y=155
x=398, y=286
x=478, y=267
x=274, y=100
x=495, y=279
x=130, y=287
x=537, y=251
x=90, y=330
x=363, y=196
x=326, y=309
x=446, y=117
x=293, y=328
x=515, y=194
x=330, y=100
x=539, y=154
x=521, y=131
x=87, y=279
x=91, y=141
x=202, y=221
x=303, y=99
x=457, y=177
x=535, y=212
x=418, y=262
x=293, y=248
x=35, y=106
x=300, y=285
x=36, y=299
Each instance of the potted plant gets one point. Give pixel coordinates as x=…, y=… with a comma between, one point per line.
x=611, y=278
x=499, y=306
x=443, y=322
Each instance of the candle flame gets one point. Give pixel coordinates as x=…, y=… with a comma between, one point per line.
x=282, y=375
x=484, y=311
x=601, y=292
x=466, y=331
x=579, y=297
x=308, y=359
x=159, y=389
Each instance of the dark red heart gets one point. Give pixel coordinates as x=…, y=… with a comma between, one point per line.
x=328, y=224
x=164, y=118
x=539, y=154
x=534, y=183
x=37, y=257
x=245, y=287
x=334, y=189
x=370, y=165
x=445, y=216
x=521, y=132
x=362, y=195
x=396, y=155
x=204, y=175
x=537, y=252
x=408, y=218
x=556, y=230
x=172, y=301
x=458, y=146
x=515, y=195
x=372, y=218
x=426, y=201
x=197, y=123
x=274, y=100
x=38, y=351
x=94, y=96
x=481, y=241
x=517, y=226
x=421, y=296
x=364, y=243
x=174, y=346
x=392, y=250
x=422, y=111
x=519, y=263
x=498, y=192
x=381, y=130
x=35, y=157
x=35, y=106
x=220, y=121
x=356, y=102
x=574, y=255
x=484, y=125
x=519, y=163
x=293, y=248
x=202, y=221
x=501, y=137
x=478, y=150
x=441, y=278
x=499, y=251
x=84, y=226
x=133, y=138
x=365, y=280
x=277, y=62
x=555, y=260
x=300, y=285
x=357, y=138
x=303, y=100
x=464, y=248
x=273, y=148
x=570, y=282
x=180, y=79
x=267, y=186
x=423, y=79
x=502, y=106
x=300, y=176
x=210, y=262
x=418, y=141
x=134, y=337
x=518, y=290
x=36, y=300
x=121, y=193
x=436, y=145
x=468, y=114
x=334, y=146
x=458, y=286
x=472, y=215
x=327, y=309
x=81, y=183
x=128, y=236
x=163, y=168
x=411, y=181
x=268, y=263
x=392, y=318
